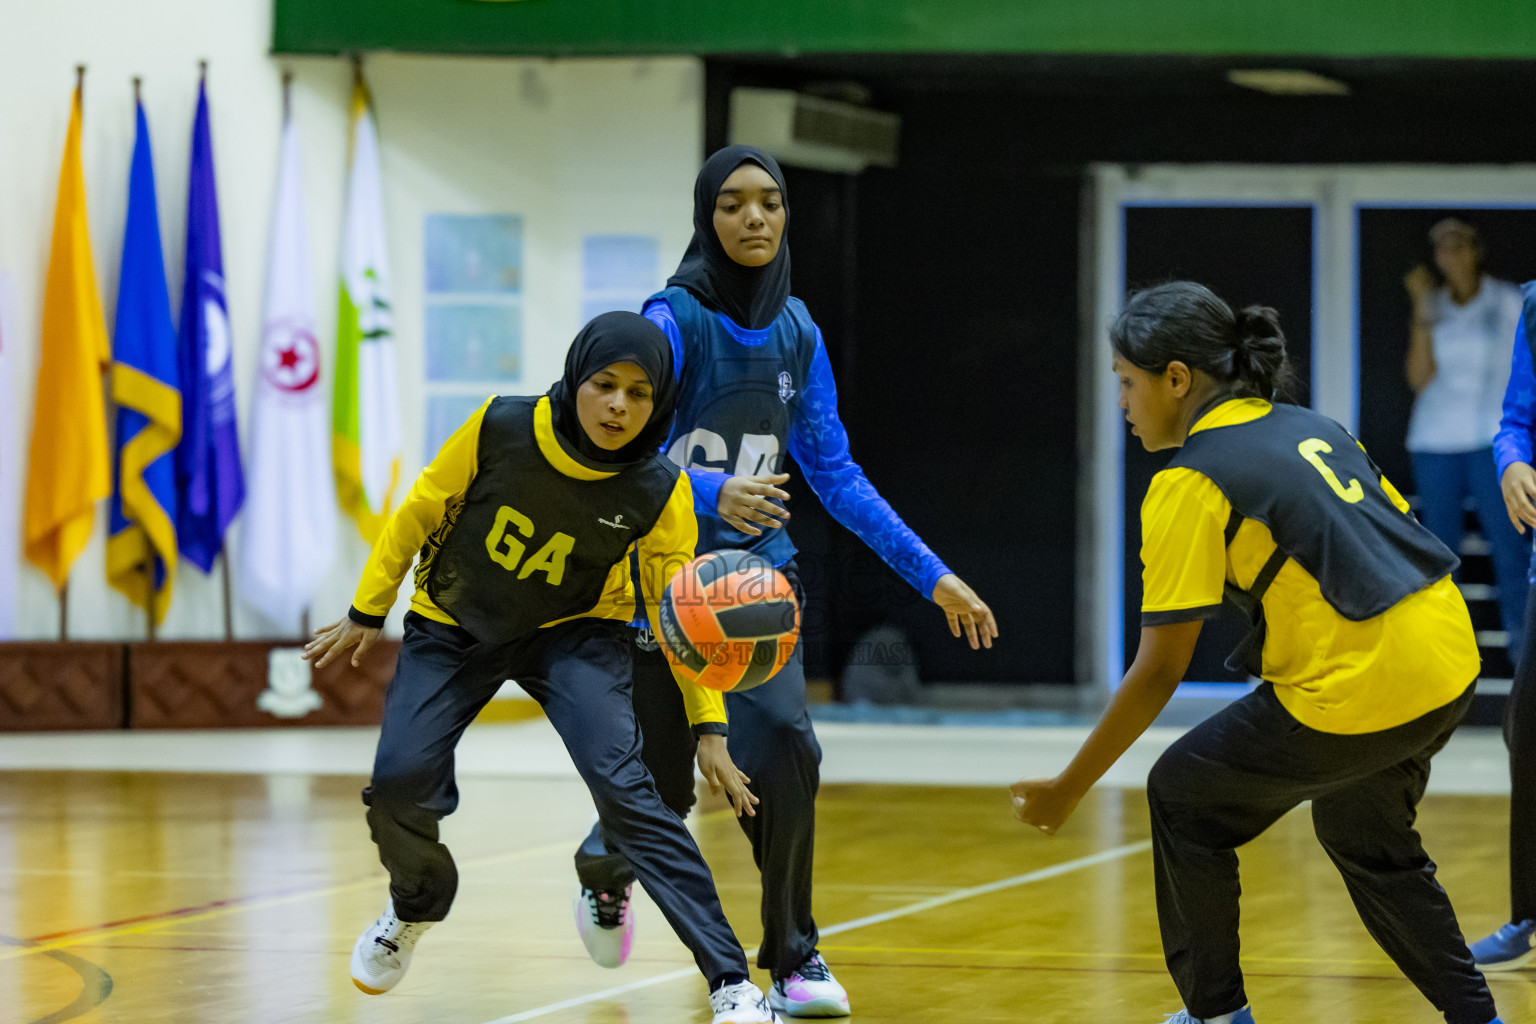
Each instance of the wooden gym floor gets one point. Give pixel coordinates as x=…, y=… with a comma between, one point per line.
x=160, y=898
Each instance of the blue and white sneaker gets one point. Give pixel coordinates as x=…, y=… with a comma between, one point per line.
x=1507, y=949
x=1243, y=1016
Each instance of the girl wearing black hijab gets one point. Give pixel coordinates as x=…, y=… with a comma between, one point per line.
x=525, y=522
x=754, y=383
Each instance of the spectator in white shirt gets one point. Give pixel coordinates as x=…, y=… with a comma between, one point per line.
x=1458, y=361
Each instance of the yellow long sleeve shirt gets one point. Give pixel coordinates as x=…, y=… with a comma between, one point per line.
x=431, y=510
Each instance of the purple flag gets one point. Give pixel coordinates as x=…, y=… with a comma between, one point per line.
x=209, y=481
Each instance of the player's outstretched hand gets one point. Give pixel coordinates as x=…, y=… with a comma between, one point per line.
x=720, y=772
x=1043, y=803
x=331, y=640
x=744, y=502
x=963, y=608
x=1519, y=487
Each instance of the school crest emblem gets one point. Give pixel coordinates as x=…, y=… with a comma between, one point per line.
x=786, y=386
x=289, y=692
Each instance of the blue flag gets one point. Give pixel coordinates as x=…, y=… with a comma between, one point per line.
x=209, y=482
x=141, y=541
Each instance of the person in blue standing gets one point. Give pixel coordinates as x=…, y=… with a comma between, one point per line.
x=754, y=384
x=1510, y=947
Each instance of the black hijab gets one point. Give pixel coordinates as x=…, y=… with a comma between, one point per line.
x=608, y=339
x=751, y=296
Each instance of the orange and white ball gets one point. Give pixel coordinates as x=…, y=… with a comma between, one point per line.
x=729, y=620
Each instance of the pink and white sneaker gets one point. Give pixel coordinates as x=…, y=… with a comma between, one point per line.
x=606, y=922
x=809, y=991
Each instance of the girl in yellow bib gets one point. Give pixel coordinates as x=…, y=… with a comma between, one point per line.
x=522, y=528
x=1362, y=641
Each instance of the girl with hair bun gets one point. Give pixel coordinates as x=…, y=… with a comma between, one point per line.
x=1366, y=668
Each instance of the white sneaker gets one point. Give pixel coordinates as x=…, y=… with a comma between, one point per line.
x=810, y=991
x=606, y=922
x=383, y=951
x=741, y=1003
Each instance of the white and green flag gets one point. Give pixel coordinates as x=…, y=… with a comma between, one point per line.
x=365, y=414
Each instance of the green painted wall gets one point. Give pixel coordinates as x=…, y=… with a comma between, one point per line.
x=1337, y=28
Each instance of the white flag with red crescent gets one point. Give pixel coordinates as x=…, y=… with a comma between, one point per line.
x=289, y=536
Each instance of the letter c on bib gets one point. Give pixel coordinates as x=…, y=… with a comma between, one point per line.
x=1310, y=449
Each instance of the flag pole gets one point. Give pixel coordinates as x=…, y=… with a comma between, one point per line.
x=148, y=565
x=287, y=94
x=149, y=603
x=64, y=587
x=229, y=627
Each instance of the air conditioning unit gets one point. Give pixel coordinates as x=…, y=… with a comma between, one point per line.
x=808, y=131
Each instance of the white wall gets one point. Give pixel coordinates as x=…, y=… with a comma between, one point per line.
x=575, y=147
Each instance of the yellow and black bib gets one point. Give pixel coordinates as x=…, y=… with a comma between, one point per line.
x=1305, y=478
x=530, y=544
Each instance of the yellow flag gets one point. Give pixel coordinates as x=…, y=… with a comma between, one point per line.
x=69, y=469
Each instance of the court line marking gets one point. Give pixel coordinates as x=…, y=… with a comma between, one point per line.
x=178, y=918
x=954, y=896
x=95, y=984
x=1041, y=969
x=170, y=919
x=1078, y=955
x=224, y=908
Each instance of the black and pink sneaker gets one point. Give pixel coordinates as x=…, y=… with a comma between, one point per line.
x=809, y=991
x=606, y=922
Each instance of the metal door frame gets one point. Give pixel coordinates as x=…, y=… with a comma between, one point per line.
x=1336, y=194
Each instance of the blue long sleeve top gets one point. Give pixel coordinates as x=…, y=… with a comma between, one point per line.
x=1513, y=441
x=818, y=442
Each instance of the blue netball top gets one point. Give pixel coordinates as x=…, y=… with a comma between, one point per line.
x=1518, y=425
x=746, y=398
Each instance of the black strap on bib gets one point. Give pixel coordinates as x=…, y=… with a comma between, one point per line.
x=1249, y=653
